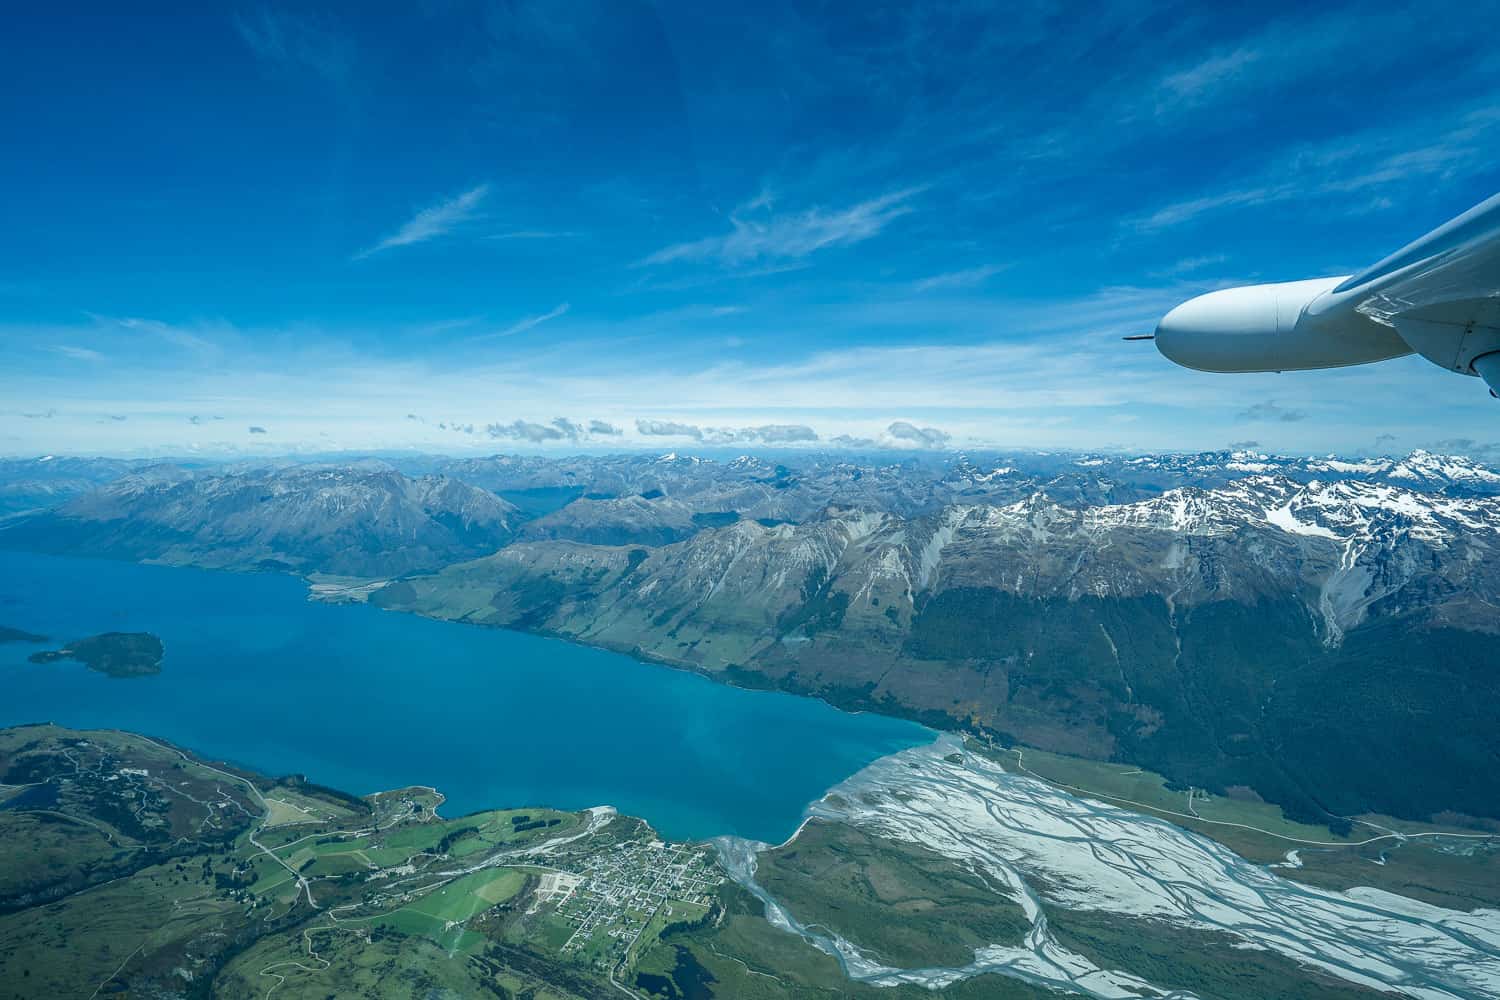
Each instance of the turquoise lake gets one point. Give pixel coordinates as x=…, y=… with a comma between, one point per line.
x=366, y=700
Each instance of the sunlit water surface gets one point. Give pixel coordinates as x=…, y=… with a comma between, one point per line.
x=365, y=700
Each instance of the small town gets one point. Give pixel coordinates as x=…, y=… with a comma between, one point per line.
x=611, y=896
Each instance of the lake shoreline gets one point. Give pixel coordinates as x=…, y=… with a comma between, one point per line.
x=317, y=596
x=489, y=715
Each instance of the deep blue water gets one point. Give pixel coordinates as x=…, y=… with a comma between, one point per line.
x=365, y=700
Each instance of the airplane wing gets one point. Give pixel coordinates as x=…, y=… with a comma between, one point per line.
x=1438, y=297
x=1439, y=293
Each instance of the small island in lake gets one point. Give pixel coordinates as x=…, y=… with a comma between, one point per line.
x=19, y=635
x=118, y=654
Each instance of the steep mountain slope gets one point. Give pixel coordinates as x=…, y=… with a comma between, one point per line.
x=360, y=521
x=1204, y=632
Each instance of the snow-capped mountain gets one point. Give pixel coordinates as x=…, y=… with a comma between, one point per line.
x=1207, y=631
x=1229, y=618
x=1420, y=469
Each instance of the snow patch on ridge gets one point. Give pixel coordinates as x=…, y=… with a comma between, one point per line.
x=932, y=551
x=1284, y=519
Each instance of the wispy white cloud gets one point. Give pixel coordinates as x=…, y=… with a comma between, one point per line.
x=532, y=234
x=757, y=234
x=177, y=336
x=1364, y=163
x=686, y=282
x=78, y=353
x=1202, y=81
x=1190, y=265
x=433, y=221
x=526, y=323
x=1285, y=53
x=1179, y=212
x=284, y=39
x=967, y=278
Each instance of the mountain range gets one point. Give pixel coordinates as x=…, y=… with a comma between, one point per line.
x=361, y=519
x=1317, y=632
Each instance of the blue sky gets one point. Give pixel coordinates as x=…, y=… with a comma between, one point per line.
x=479, y=227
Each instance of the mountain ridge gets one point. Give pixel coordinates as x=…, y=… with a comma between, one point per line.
x=1202, y=627
x=306, y=518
